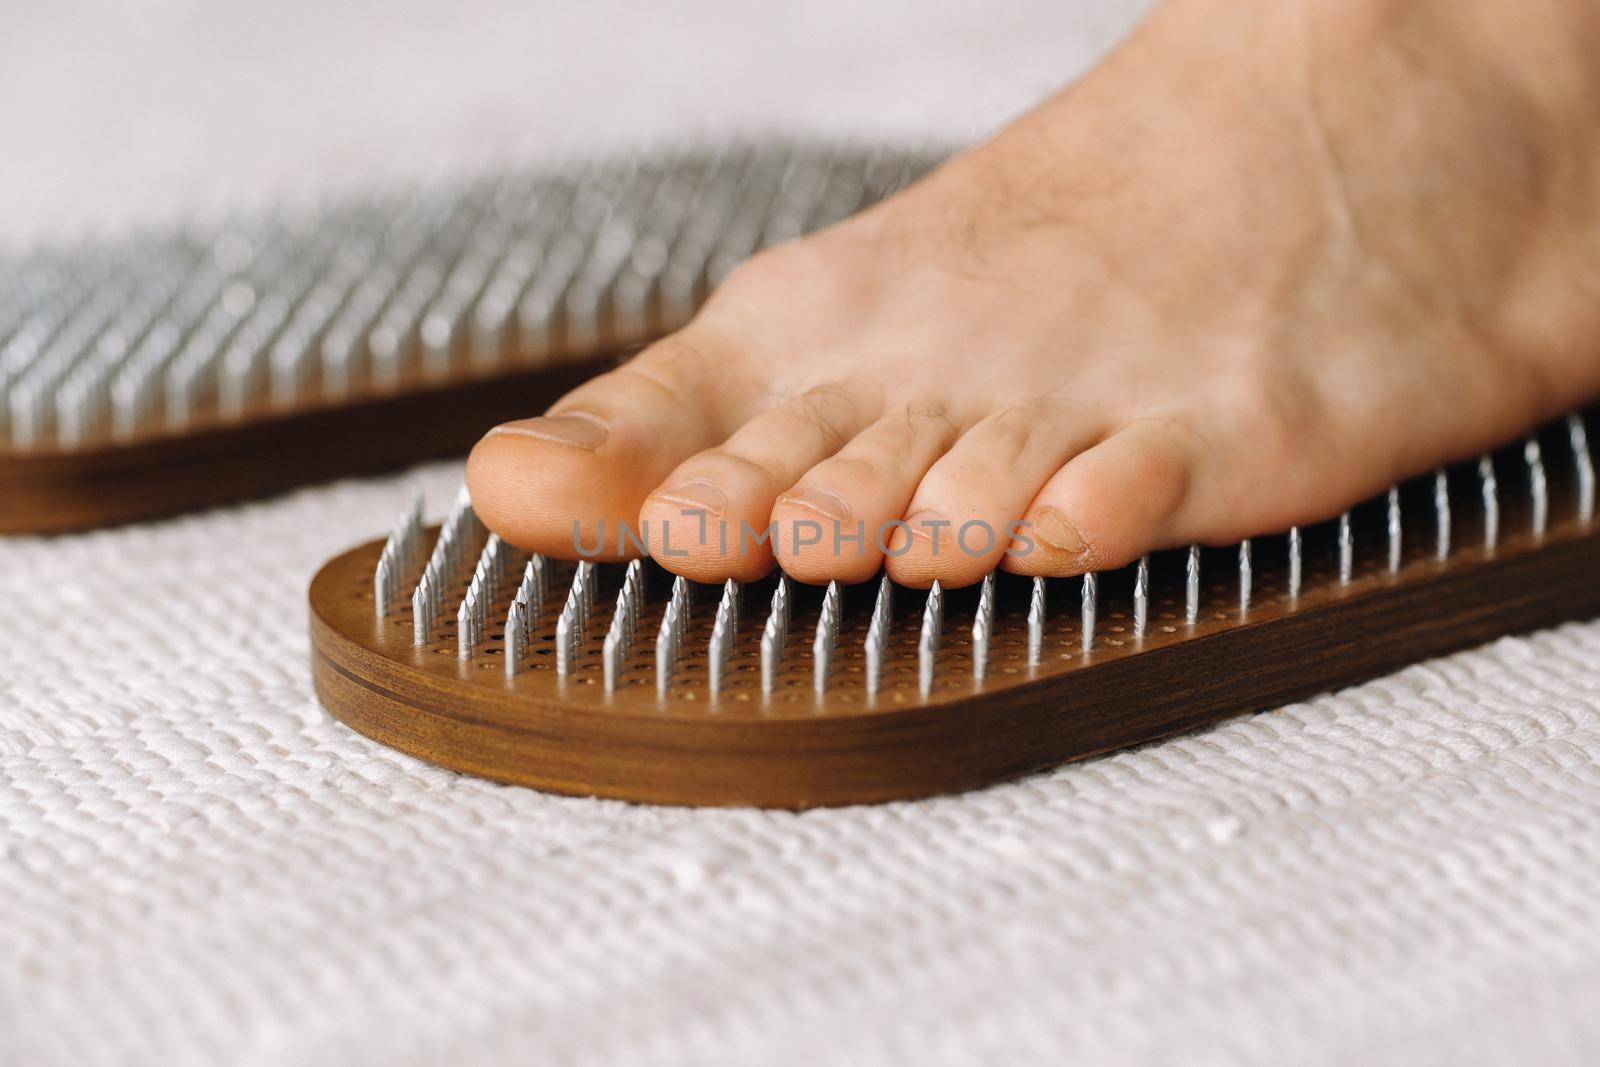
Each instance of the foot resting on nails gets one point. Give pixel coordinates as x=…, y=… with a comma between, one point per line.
x=1264, y=261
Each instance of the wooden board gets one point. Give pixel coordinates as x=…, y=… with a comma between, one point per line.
x=51, y=490
x=797, y=749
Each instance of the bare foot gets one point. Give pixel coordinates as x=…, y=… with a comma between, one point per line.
x=1266, y=260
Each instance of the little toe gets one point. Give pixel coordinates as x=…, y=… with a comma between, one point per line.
x=1109, y=506
x=710, y=519
x=963, y=515
x=577, y=475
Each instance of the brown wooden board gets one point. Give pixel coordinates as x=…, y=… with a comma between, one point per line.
x=794, y=748
x=49, y=490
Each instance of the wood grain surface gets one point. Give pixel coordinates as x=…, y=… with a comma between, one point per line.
x=795, y=749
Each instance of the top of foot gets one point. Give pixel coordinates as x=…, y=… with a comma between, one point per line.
x=1263, y=262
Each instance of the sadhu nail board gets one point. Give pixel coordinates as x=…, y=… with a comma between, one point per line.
x=177, y=369
x=620, y=681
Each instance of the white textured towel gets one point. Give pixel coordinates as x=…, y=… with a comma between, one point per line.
x=198, y=866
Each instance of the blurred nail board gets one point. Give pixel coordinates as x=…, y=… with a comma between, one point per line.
x=168, y=370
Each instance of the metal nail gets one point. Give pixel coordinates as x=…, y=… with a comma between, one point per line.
x=877, y=642
x=1087, y=609
x=1538, y=486
x=928, y=638
x=1441, y=515
x=1296, y=553
x=982, y=626
x=1191, y=590
x=1347, y=549
x=1036, y=623
x=1490, y=489
x=1392, y=525
x=1141, y=597
x=1583, y=466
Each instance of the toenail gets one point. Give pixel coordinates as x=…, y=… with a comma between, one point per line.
x=820, y=501
x=697, y=494
x=930, y=526
x=1058, y=532
x=925, y=525
x=573, y=429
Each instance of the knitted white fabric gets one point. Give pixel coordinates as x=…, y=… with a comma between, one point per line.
x=198, y=866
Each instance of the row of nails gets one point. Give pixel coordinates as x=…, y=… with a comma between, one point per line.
x=402, y=550
x=612, y=253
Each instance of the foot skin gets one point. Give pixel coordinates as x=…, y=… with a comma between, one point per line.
x=1266, y=260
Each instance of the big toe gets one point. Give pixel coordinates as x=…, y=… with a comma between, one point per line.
x=571, y=482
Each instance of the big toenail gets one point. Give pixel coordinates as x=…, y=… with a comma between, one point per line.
x=820, y=501
x=1057, y=531
x=574, y=429
x=696, y=494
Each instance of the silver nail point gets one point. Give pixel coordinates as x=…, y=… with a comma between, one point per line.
x=877, y=643
x=398, y=558
x=569, y=630
x=1245, y=575
x=1141, y=597
x=532, y=588
x=427, y=600
x=1191, y=586
x=1296, y=554
x=775, y=634
x=1490, y=489
x=516, y=634
x=670, y=638
x=826, y=636
x=584, y=585
x=468, y=617
x=733, y=596
x=1441, y=515
x=1583, y=466
x=1347, y=549
x=1036, y=621
x=384, y=580
x=619, y=635
x=771, y=653
x=633, y=586
x=1087, y=609
x=422, y=608
x=982, y=627
x=472, y=616
x=928, y=639
x=612, y=652
x=721, y=646
x=1392, y=525
x=1538, y=485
